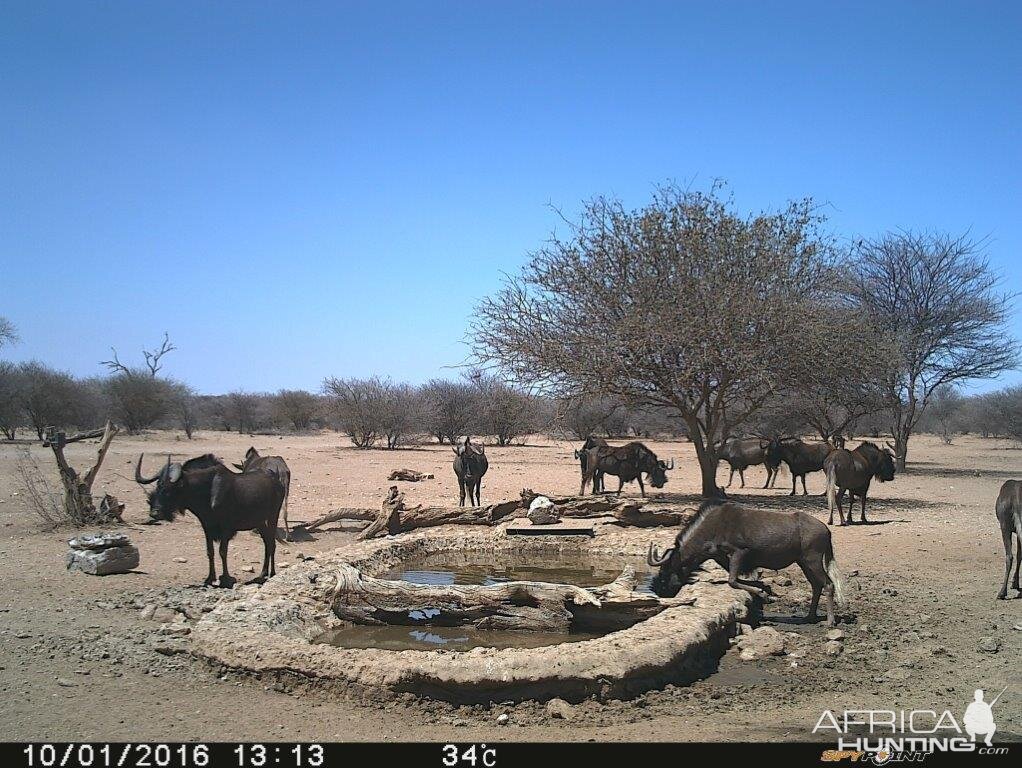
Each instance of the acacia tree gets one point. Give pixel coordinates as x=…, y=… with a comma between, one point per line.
x=843, y=389
x=506, y=412
x=138, y=395
x=683, y=304
x=49, y=398
x=11, y=413
x=945, y=406
x=297, y=407
x=358, y=405
x=451, y=408
x=937, y=299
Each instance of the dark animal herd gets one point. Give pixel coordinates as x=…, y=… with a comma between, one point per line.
x=739, y=538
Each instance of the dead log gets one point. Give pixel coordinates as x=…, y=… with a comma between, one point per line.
x=388, y=519
x=410, y=475
x=345, y=513
x=516, y=605
x=394, y=517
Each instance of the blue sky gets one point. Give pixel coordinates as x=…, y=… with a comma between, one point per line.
x=295, y=190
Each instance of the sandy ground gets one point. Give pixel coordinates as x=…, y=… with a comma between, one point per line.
x=77, y=660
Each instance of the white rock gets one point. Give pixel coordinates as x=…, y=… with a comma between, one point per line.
x=542, y=511
x=760, y=643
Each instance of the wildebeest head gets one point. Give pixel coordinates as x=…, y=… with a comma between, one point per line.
x=669, y=579
x=885, y=472
x=165, y=500
x=251, y=456
x=881, y=460
x=658, y=473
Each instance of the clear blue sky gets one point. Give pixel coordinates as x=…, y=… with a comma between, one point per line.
x=295, y=190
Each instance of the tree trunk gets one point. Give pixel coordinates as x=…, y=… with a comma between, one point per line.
x=707, y=457
x=78, y=503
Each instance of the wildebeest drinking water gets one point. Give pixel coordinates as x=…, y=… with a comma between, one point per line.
x=627, y=463
x=853, y=471
x=470, y=465
x=225, y=502
x=275, y=465
x=1009, y=515
x=582, y=454
x=740, y=539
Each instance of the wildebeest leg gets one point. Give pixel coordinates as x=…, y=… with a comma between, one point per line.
x=461, y=492
x=226, y=580
x=1018, y=556
x=730, y=478
x=736, y=568
x=269, y=545
x=770, y=474
x=1006, y=536
x=840, y=508
x=794, y=479
x=642, y=488
x=804, y=491
x=816, y=575
x=211, y=578
x=862, y=516
x=620, y=485
x=741, y=474
x=479, y=485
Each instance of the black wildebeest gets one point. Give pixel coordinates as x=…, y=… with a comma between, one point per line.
x=276, y=466
x=740, y=539
x=853, y=471
x=1009, y=515
x=801, y=458
x=225, y=502
x=470, y=465
x=742, y=453
x=582, y=454
x=627, y=463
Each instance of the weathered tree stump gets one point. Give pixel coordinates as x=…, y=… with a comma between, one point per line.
x=78, y=503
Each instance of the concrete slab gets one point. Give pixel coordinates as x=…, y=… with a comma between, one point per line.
x=523, y=526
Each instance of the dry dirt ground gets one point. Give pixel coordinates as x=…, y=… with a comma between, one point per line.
x=77, y=661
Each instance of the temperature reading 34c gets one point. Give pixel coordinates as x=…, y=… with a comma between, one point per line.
x=474, y=755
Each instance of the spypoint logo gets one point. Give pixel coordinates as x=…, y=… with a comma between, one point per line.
x=880, y=736
x=979, y=717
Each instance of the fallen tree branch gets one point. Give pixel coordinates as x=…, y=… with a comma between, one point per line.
x=394, y=517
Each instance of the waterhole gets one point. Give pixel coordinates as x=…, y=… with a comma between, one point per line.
x=424, y=629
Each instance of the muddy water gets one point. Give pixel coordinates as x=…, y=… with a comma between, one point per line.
x=464, y=568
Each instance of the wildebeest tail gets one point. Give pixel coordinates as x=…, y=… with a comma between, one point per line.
x=836, y=579
x=287, y=529
x=831, y=490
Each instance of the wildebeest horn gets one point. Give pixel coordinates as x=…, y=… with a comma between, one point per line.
x=653, y=557
x=577, y=453
x=138, y=473
x=671, y=465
